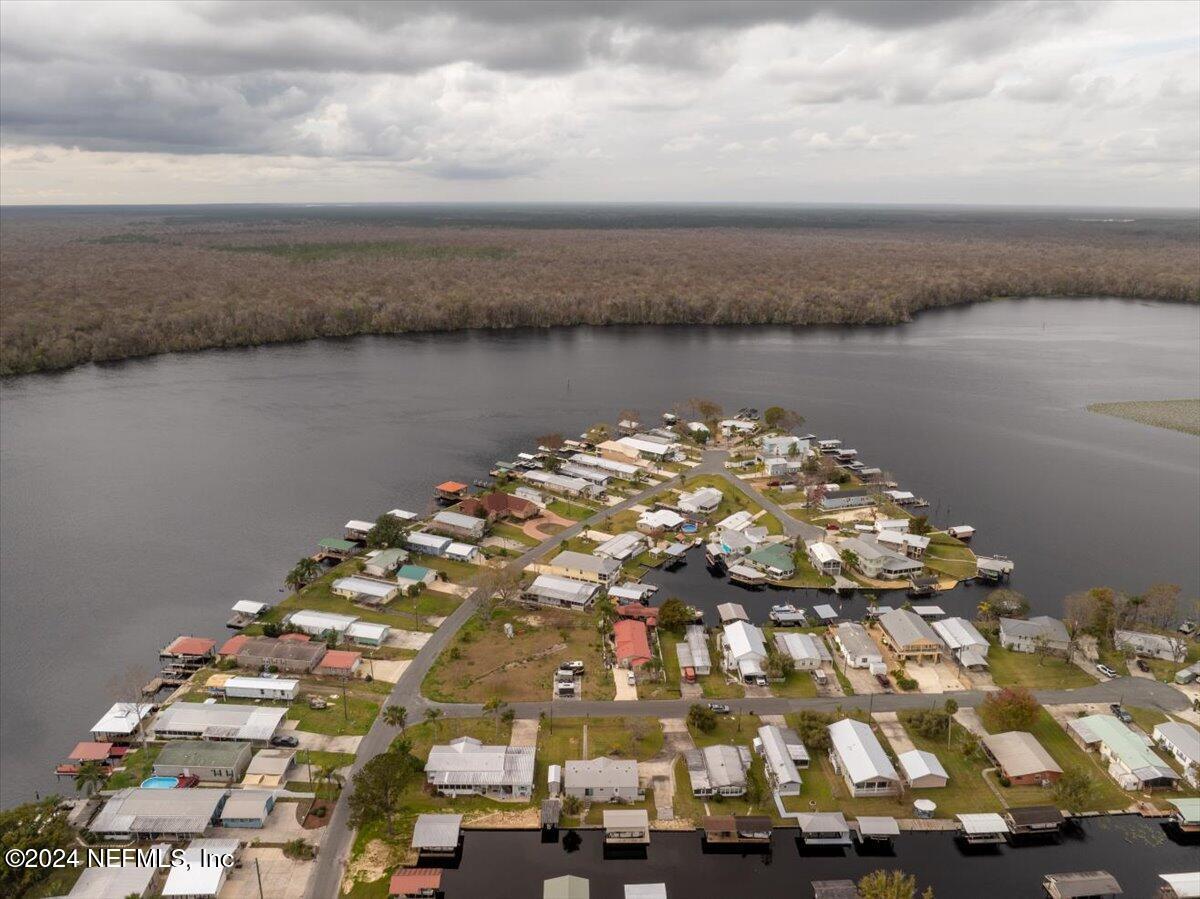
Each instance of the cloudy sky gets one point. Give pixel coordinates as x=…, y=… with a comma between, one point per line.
x=962, y=101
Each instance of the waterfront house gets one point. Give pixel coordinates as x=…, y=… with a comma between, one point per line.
x=783, y=445
x=383, y=563
x=231, y=647
x=984, y=828
x=319, y=624
x=602, y=780
x=336, y=548
x=909, y=636
x=859, y=757
x=614, y=467
x=777, y=757
x=718, y=770
x=365, y=590
x=248, y=808
x=583, y=567
x=552, y=590
x=139, y=813
x=237, y=687
x=1034, y=819
x=1150, y=646
x=426, y=543
x=639, y=446
x=530, y=495
x=622, y=546
x=744, y=650
x=1132, y=764
x=295, y=656
x=632, y=643
x=1183, y=742
x=217, y=721
x=466, y=767
x=851, y=498
x=658, y=521
x=632, y=591
x=357, y=529
x=807, y=651
x=703, y=501
x=415, y=883
x=627, y=826
x=498, y=505
x=697, y=653
x=879, y=562
x=856, y=646
x=220, y=762
x=367, y=633
x=450, y=491
x=559, y=483
x=647, y=614
x=737, y=426
x=122, y=723
x=922, y=770
x=1021, y=758
x=1028, y=635
x=455, y=524
x=891, y=525
x=775, y=560
x=589, y=473
x=1081, y=885
x=437, y=834
x=964, y=641
x=464, y=552
x=912, y=545
x=824, y=558
x=190, y=653
x=339, y=663
x=269, y=768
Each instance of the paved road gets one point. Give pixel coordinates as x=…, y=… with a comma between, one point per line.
x=332, y=859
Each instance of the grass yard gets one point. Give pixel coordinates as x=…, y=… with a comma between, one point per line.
x=949, y=556
x=694, y=808
x=561, y=740
x=1165, y=671
x=799, y=684
x=734, y=501
x=736, y=729
x=409, y=614
x=621, y=522
x=355, y=716
x=482, y=663
x=966, y=790
x=668, y=687
x=512, y=532
x=806, y=575
x=573, y=511
x=139, y=765
x=1026, y=669
x=716, y=685
x=455, y=571
x=1146, y=719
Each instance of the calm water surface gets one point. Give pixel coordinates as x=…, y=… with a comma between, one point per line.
x=141, y=500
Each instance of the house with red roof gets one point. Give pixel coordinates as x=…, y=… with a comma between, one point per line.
x=493, y=506
x=339, y=663
x=639, y=612
x=188, y=653
x=232, y=646
x=632, y=642
x=415, y=883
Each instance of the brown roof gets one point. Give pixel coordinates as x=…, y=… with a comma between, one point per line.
x=451, y=487
x=233, y=645
x=191, y=646
x=90, y=752
x=272, y=648
x=1035, y=814
x=409, y=880
x=718, y=824
x=506, y=504
x=338, y=659
x=633, y=644
x=648, y=614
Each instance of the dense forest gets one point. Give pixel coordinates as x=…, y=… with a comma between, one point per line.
x=82, y=286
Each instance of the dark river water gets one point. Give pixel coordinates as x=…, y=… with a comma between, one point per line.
x=1132, y=850
x=141, y=500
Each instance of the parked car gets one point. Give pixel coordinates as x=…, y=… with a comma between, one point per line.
x=285, y=740
x=1143, y=666
x=575, y=666
x=1188, y=627
x=820, y=677
x=632, y=679
x=719, y=707
x=883, y=681
x=1106, y=671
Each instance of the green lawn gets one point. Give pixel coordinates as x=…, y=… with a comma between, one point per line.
x=735, y=730
x=949, y=556
x=734, y=501
x=139, y=765
x=806, y=575
x=1165, y=671
x=692, y=808
x=354, y=717
x=966, y=790
x=573, y=511
x=561, y=740
x=1037, y=672
x=512, y=532
x=455, y=571
x=668, y=687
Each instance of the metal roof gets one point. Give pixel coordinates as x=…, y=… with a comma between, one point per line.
x=200, y=874
x=584, y=562
x=1019, y=754
x=1127, y=746
x=877, y=826
x=601, y=772
x=562, y=589
x=958, y=633
x=907, y=628
x=1185, y=885
x=436, y=831
x=246, y=804
x=777, y=756
x=467, y=761
x=314, y=622
x=918, y=763
x=1080, y=884
x=137, y=810
x=219, y=720
x=860, y=752
x=985, y=823
x=123, y=718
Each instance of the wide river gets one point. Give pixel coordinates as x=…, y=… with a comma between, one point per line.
x=141, y=500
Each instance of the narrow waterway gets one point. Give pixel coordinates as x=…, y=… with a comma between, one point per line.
x=141, y=500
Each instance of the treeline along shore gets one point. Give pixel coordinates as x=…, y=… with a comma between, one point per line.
x=80, y=286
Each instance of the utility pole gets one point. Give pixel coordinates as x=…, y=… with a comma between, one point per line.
x=258, y=874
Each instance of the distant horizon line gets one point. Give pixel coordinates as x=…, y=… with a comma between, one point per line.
x=732, y=204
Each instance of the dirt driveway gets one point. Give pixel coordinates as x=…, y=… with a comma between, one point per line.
x=388, y=671
x=626, y=692
x=524, y=732
x=889, y=724
x=407, y=639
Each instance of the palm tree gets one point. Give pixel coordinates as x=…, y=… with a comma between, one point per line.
x=431, y=717
x=305, y=572
x=395, y=716
x=89, y=777
x=849, y=558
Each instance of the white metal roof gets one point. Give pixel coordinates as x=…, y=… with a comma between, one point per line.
x=356, y=524
x=583, y=562
x=200, y=874
x=983, y=823
x=823, y=552
x=422, y=540
x=958, y=633
x=918, y=763
x=367, y=630
x=460, y=521
x=878, y=826
x=745, y=641
x=660, y=518
x=825, y=612
x=122, y=718
x=364, y=586
x=731, y=611
x=403, y=514
x=645, y=891
x=929, y=611
x=777, y=755
x=249, y=606
x=802, y=646
x=621, y=546
x=467, y=761
x=227, y=720
x=1186, y=885
x=562, y=589
x=262, y=683
x=436, y=831
x=860, y=752
x=138, y=810
x=314, y=622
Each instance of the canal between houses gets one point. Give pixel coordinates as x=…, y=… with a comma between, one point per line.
x=141, y=500
x=512, y=865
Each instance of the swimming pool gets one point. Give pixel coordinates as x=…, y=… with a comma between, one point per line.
x=160, y=783
x=690, y=528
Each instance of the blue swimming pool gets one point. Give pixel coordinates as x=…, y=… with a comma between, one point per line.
x=160, y=783
x=690, y=528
